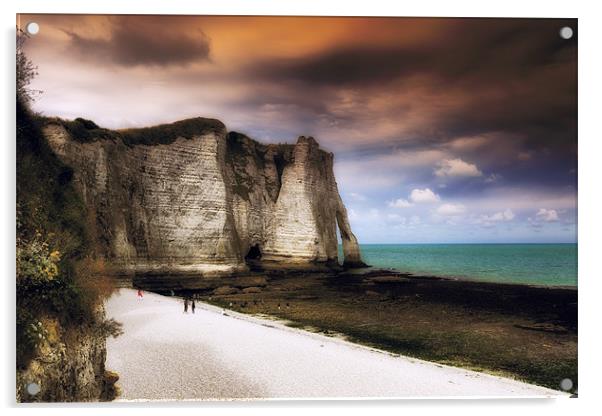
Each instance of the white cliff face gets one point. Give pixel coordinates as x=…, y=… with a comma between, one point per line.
x=200, y=204
x=303, y=221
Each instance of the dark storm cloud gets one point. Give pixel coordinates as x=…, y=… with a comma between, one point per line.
x=142, y=40
x=517, y=77
x=478, y=49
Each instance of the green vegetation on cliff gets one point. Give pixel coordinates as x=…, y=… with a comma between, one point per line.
x=168, y=133
x=60, y=286
x=56, y=273
x=83, y=130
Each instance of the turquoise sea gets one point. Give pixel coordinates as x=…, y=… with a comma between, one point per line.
x=537, y=264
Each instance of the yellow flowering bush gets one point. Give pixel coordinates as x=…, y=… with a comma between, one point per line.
x=35, y=261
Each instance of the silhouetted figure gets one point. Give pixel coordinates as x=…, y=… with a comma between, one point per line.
x=185, y=305
x=140, y=295
x=193, y=306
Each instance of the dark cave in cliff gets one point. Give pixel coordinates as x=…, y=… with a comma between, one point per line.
x=254, y=253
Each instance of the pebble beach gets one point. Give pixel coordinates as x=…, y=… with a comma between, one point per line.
x=215, y=354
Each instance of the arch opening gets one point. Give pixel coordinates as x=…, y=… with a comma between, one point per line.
x=351, y=250
x=340, y=255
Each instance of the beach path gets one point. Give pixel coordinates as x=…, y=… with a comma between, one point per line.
x=165, y=354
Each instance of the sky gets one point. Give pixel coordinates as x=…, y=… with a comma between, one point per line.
x=443, y=130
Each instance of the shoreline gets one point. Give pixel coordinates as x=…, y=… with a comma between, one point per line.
x=552, y=264
x=478, y=280
x=183, y=278
x=462, y=279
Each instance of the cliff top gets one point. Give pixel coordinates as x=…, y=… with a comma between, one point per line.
x=167, y=133
x=83, y=130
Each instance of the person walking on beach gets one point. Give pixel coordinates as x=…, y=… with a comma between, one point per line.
x=185, y=305
x=193, y=306
x=140, y=294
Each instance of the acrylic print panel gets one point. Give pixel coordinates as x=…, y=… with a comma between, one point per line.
x=236, y=207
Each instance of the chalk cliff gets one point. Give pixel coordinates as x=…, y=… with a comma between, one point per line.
x=189, y=197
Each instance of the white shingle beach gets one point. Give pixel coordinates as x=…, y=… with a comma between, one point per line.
x=165, y=354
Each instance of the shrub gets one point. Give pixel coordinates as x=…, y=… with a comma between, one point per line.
x=57, y=275
x=111, y=328
x=35, y=260
x=84, y=130
x=167, y=133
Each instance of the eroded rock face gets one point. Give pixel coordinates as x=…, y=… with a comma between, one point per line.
x=209, y=202
x=69, y=366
